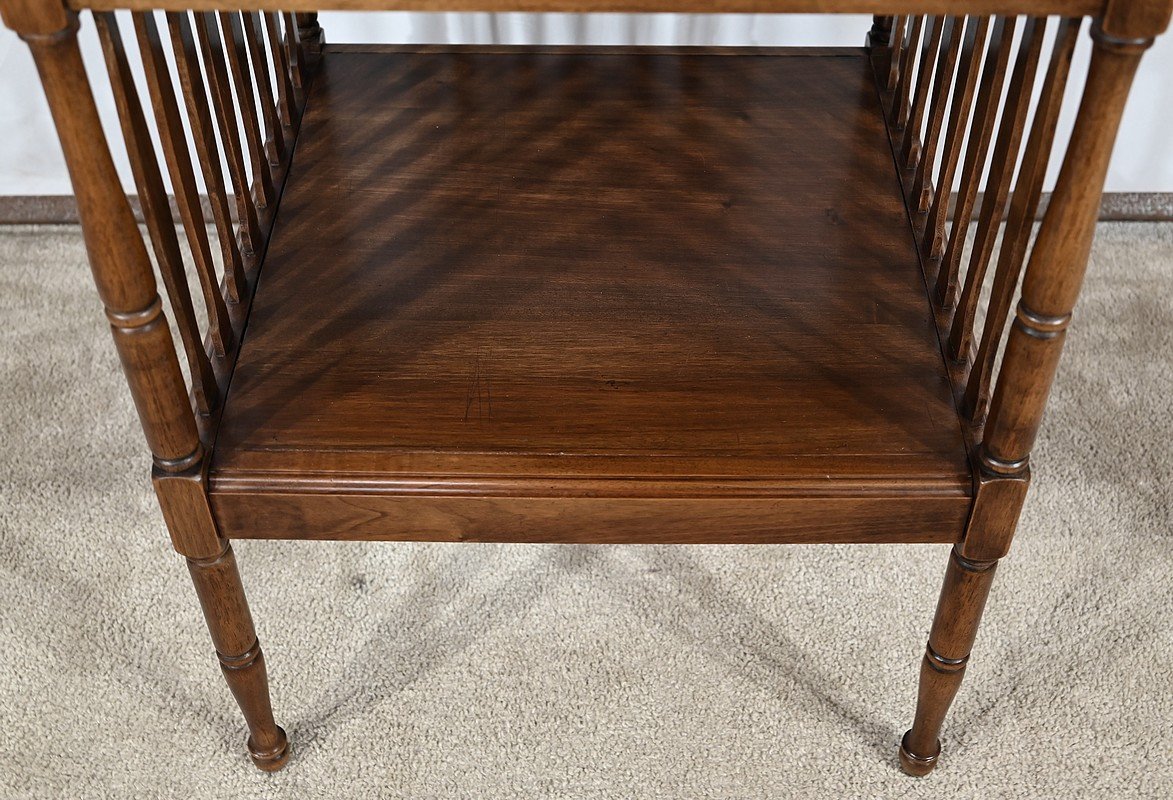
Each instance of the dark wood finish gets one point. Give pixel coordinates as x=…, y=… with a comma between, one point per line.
x=204, y=136
x=901, y=108
x=286, y=100
x=621, y=295
x=981, y=132
x=232, y=27
x=522, y=315
x=177, y=429
x=1148, y=15
x=911, y=148
x=955, y=627
x=217, y=584
x=1015, y=107
x=157, y=213
x=890, y=65
x=973, y=44
x=1051, y=284
x=61, y=209
x=216, y=68
x=922, y=187
x=187, y=198
x=118, y=257
x=1020, y=220
x=254, y=35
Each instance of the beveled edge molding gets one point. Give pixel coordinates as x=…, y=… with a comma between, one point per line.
x=62, y=209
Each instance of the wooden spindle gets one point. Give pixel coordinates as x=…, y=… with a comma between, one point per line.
x=187, y=197
x=118, y=257
x=899, y=112
x=1057, y=263
x=296, y=56
x=156, y=211
x=208, y=152
x=910, y=148
x=233, y=32
x=1050, y=288
x=922, y=187
x=286, y=102
x=955, y=626
x=894, y=59
x=1020, y=220
x=977, y=148
x=224, y=108
x=974, y=43
x=997, y=189
x=254, y=36
x=221, y=594
x=309, y=31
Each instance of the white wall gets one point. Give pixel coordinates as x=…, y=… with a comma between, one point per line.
x=31, y=162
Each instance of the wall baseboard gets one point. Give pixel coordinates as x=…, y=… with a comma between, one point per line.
x=62, y=210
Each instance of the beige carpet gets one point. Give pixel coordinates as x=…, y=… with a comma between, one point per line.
x=480, y=671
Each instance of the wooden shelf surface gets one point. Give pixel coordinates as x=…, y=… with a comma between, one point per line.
x=610, y=277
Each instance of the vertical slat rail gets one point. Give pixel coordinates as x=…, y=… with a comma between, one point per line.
x=997, y=188
x=296, y=55
x=254, y=37
x=118, y=257
x=922, y=186
x=898, y=113
x=187, y=198
x=1020, y=220
x=910, y=148
x=1058, y=260
x=238, y=62
x=286, y=98
x=973, y=45
x=977, y=148
x=223, y=105
x=157, y=212
x=204, y=136
x=896, y=54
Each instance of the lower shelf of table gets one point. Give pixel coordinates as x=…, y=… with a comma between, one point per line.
x=517, y=294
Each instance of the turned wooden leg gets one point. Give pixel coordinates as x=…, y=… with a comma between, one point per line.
x=217, y=582
x=959, y=610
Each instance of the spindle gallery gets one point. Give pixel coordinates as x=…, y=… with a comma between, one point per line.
x=625, y=295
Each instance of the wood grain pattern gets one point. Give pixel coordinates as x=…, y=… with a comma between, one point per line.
x=922, y=187
x=232, y=28
x=596, y=277
x=902, y=93
x=911, y=148
x=118, y=257
x=1058, y=261
x=254, y=36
